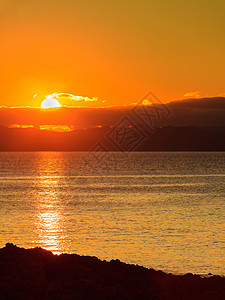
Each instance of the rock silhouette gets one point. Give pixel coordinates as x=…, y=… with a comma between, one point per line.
x=38, y=274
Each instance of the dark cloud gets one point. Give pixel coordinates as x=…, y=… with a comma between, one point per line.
x=189, y=112
x=198, y=112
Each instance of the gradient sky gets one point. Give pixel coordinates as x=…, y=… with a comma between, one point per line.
x=114, y=50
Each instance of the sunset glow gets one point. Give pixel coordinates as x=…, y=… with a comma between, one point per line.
x=57, y=128
x=112, y=146
x=111, y=50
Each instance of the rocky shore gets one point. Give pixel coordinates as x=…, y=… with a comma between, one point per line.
x=38, y=274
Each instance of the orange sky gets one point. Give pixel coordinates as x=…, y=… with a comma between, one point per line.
x=114, y=50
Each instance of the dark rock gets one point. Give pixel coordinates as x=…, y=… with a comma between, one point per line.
x=38, y=274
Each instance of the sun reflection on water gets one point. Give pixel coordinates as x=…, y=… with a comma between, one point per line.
x=49, y=230
x=49, y=217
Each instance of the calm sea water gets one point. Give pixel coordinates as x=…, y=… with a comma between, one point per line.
x=160, y=210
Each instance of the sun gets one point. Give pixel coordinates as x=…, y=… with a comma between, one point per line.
x=50, y=103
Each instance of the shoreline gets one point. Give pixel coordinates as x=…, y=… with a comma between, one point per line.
x=39, y=274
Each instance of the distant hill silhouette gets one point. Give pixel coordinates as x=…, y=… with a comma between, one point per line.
x=186, y=139
x=162, y=139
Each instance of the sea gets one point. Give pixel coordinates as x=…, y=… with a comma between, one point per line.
x=161, y=210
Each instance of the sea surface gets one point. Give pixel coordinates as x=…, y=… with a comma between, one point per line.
x=162, y=210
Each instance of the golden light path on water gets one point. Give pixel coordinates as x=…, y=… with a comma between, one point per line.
x=49, y=219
